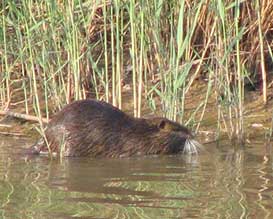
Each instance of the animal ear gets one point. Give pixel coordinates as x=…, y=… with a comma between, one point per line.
x=162, y=124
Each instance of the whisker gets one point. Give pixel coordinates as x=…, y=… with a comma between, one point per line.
x=192, y=147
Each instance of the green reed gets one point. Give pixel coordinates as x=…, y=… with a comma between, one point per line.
x=240, y=77
x=106, y=77
x=230, y=94
x=173, y=86
x=261, y=43
x=222, y=75
x=6, y=76
x=271, y=126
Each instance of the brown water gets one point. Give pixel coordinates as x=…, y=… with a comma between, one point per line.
x=225, y=182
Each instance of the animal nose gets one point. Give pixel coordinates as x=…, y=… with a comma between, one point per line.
x=191, y=135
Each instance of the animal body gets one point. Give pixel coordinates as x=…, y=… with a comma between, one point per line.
x=98, y=129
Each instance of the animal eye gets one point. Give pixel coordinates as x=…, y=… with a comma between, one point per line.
x=162, y=124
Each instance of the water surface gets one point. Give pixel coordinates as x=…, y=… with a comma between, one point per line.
x=224, y=182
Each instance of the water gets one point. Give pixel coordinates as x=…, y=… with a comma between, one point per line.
x=225, y=182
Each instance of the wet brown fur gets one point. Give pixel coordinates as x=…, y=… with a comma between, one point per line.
x=98, y=129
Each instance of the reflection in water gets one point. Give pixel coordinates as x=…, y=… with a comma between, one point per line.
x=225, y=182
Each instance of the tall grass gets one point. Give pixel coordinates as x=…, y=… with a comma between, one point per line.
x=55, y=52
x=240, y=77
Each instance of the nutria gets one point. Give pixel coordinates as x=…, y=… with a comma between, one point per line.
x=98, y=129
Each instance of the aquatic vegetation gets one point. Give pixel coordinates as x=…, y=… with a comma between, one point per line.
x=54, y=52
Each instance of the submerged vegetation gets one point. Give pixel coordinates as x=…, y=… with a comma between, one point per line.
x=153, y=52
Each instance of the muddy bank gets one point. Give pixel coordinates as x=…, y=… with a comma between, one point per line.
x=257, y=117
